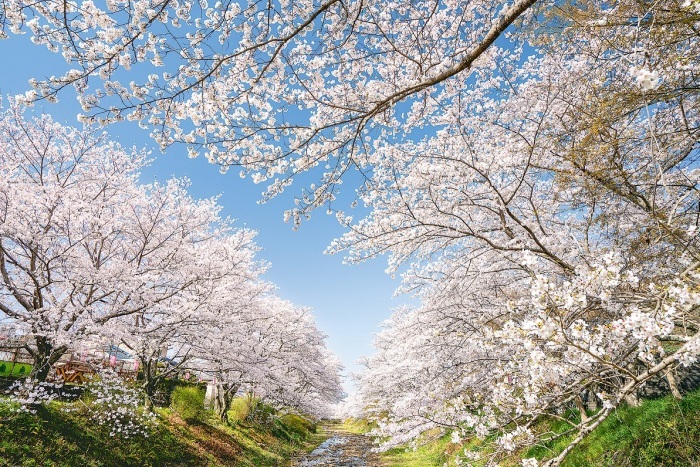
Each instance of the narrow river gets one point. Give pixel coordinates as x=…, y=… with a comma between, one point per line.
x=341, y=449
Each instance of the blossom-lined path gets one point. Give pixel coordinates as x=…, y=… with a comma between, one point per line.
x=342, y=449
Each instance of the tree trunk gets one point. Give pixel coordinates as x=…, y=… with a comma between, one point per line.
x=672, y=384
x=44, y=357
x=591, y=400
x=631, y=397
x=223, y=395
x=581, y=408
x=632, y=400
x=149, y=375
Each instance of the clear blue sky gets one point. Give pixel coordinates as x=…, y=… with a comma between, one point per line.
x=348, y=301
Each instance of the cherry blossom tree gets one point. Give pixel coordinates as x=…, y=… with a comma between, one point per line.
x=276, y=88
x=88, y=255
x=273, y=349
x=85, y=249
x=532, y=164
x=61, y=252
x=552, y=231
x=178, y=329
x=302, y=373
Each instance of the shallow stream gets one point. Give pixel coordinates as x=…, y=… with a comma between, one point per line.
x=342, y=449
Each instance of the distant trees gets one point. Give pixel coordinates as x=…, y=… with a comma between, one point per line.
x=273, y=349
x=89, y=257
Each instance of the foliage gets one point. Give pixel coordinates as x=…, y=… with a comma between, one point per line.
x=293, y=427
x=239, y=410
x=188, y=403
x=261, y=413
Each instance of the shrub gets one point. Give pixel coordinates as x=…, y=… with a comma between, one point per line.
x=298, y=424
x=261, y=413
x=188, y=402
x=293, y=427
x=166, y=386
x=239, y=409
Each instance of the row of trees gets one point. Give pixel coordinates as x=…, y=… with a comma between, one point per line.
x=533, y=163
x=89, y=257
x=553, y=229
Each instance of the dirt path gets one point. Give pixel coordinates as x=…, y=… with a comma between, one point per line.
x=341, y=449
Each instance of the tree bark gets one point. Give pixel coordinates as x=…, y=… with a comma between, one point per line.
x=591, y=399
x=581, y=408
x=632, y=400
x=223, y=396
x=149, y=370
x=44, y=358
x=673, y=385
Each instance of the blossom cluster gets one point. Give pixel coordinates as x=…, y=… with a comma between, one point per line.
x=27, y=394
x=113, y=402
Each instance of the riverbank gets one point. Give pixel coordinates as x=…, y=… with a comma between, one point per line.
x=53, y=436
x=662, y=431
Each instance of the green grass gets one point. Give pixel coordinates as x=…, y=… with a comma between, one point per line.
x=433, y=448
x=661, y=432
x=52, y=437
x=358, y=426
x=19, y=369
x=430, y=450
x=188, y=403
x=240, y=408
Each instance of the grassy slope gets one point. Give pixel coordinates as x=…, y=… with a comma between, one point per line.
x=433, y=449
x=659, y=432
x=56, y=438
x=437, y=451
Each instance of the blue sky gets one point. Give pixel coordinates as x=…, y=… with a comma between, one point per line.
x=349, y=301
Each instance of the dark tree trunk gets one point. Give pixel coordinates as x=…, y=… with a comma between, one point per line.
x=44, y=357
